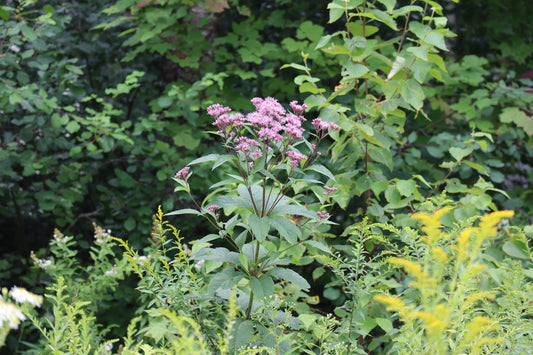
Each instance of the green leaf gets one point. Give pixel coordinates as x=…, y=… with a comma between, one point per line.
x=389, y=4
x=379, y=186
x=183, y=211
x=460, y=153
x=385, y=324
x=286, y=228
x=412, y=93
x=130, y=224
x=260, y=226
x=290, y=276
x=262, y=287
x=322, y=170
x=354, y=70
x=28, y=32
x=49, y=9
x=516, y=249
x=406, y=187
x=318, y=245
x=209, y=157
x=519, y=118
x=436, y=39
x=15, y=98
x=4, y=14
x=72, y=127
x=241, y=335
x=481, y=169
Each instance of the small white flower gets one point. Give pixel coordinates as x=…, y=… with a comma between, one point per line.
x=108, y=347
x=112, y=271
x=20, y=295
x=11, y=314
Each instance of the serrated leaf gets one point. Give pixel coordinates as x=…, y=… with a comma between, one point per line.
x=260, y=226
x=290, y=276
x=322, y=170
x=460, y=153
x=286, y=228
x=209, y=157
x=406, y=187
x=318, y=245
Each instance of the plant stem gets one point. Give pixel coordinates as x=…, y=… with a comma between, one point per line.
x=249, y=309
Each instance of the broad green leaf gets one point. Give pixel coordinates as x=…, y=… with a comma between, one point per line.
x=318, y=245
x=295, y=210
x=389, y=4
x=4, y=14
x=221, y=160
x=480, y=168
x=49, y=9
x=413, y=93
x=322, y=170
x=290, y=276
x=262, y=287
x=209, y=157
x=385, y=324
x=420, y=52
x=519, y=118
x=73, y=127
x=379, y=186
x=260, y=226
x=460, y=153
x=516, y=249
x=406, y=187
x=365, y=128
x=436, y=39
x=241, y=335
x=286, y=228
x=323, y=41
x=354, y=70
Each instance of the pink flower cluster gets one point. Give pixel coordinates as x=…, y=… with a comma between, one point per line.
x=213, y=208
x=323, y=126
x=183, y=173
x=295, y=158
x=269, y=121
x=323, y=214
x=329, y=190
x=223, y=120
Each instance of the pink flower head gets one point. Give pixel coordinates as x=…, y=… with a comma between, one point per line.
x=334, y=127
x=245, y=144
x=329, y=190
x=297, y=109
x=183, y=173
x=269, y=107
x=213, y=208
x=224, y=121
x=296, y=158
x=217, y=110
x=323, y=214
x=293, y=126
x=320, y=125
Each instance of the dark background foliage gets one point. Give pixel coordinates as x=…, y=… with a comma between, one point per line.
x=74, y=152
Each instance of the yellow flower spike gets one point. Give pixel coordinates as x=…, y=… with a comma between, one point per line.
x=477, y=326
x=395, y=304
x=432, y=224
x=440, y=255
x=488, y=222
x=472, y=299
x=410, y=267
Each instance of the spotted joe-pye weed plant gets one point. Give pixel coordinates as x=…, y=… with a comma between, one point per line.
x=273, y=199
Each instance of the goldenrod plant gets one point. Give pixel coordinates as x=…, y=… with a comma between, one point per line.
x=442, y=305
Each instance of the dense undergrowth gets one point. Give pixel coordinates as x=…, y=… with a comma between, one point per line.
x=389, y=212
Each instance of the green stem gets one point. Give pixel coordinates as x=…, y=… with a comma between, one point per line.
x=249, y=309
